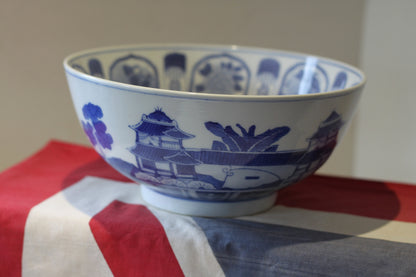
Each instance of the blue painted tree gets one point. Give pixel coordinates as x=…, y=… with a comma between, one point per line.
x=96, y=129
x=247, y=141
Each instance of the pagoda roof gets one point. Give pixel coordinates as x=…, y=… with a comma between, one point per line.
x=158, y=124
x=334, y=116
x=178, y=133
x=159, y=115
x=183, y=158
x=152, y=128
x=332, y=122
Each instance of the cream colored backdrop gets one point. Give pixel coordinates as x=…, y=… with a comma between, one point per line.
x=35, y=36
x=385, y=137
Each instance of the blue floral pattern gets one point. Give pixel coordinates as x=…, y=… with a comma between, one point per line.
x=135, y=70
x=304, y=78
x=220, y=74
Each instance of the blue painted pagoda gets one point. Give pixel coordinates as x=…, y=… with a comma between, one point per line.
x=159, y=147
x=321, y=145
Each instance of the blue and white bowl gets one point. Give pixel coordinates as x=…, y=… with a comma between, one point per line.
x=212, y=130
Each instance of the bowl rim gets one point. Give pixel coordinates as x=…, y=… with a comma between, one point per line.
x=210, y=96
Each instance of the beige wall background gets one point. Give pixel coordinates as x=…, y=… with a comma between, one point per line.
x=35, y=104
x=385, y=129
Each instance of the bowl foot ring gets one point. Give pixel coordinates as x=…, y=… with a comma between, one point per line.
x=205, y=208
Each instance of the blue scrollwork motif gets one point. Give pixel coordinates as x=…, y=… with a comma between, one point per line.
x=175, y=69
x=267, y=76
x=340, y=81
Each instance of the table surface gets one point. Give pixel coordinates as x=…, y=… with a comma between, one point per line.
x=65, y=212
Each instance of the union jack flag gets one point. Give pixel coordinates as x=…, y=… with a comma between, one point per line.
x=65, y=212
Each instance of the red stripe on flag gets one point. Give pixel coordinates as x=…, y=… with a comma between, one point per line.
x=352, y=196
x=133, y=241
x=31, y=182
x=407, y=197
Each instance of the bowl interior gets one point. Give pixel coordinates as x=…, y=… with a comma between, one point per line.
x=218, y=70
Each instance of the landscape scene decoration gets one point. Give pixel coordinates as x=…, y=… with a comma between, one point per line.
x=240, y=153
x=163, y=161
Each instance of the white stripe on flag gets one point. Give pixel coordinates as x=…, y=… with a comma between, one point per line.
x=58, y=228
x=58, y=242
x=339, y=223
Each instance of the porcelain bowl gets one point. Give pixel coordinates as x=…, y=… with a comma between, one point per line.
x=212, y=130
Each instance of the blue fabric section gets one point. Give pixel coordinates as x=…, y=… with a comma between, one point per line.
x=245, y=248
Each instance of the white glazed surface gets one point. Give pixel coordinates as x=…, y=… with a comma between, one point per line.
x=124, y=106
